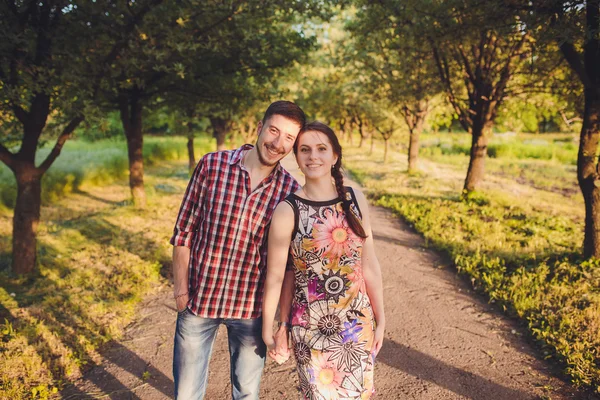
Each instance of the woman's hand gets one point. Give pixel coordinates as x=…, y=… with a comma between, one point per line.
x=378, y=339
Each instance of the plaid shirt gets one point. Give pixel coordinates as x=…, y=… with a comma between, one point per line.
x=225, y=226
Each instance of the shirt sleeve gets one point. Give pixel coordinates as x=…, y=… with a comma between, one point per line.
x=189, y=215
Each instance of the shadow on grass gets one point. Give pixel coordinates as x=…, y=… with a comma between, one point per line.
x=54, y=310
x=100, y=199
x=99, y=230
x=54, y=322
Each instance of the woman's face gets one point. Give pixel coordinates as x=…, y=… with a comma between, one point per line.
x=315, y=155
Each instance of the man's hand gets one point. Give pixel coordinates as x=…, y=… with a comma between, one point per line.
x=181, y=302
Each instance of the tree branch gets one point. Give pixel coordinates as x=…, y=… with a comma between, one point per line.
x=20, y=113
x=7, y=157
x=575, y=61
x=64, y=136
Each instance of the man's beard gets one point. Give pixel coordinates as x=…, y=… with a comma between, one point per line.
x=262, y=160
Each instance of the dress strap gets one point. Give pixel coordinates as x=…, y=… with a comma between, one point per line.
x=291, y=200
x=354, y=201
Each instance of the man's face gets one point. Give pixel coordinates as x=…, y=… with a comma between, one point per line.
x=276, y=139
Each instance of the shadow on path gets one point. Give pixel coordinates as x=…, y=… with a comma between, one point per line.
x=461, y=382
x=141, y=374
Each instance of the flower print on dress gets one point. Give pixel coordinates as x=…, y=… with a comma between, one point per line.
x=315, y=289
x=334, y=236
x=348, y=354
x=300, y=314
x=334, y=285
x=366, y=334
x=332, y=326
x=327, y=377
x=302, y=353
x=307, y=389
x=351, y=331
x=326, y=323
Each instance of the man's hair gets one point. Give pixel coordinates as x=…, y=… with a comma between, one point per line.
x=286, y=109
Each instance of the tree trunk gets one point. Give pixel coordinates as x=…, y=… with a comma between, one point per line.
x=372, y=143
x=220, y=130
x=131, y=117
x=587, y=174
x=361, y=130
x=415, y=119
x=385, y=149
x=477, y=161
x=413, y=149
x=190, y=148
x=26, y=218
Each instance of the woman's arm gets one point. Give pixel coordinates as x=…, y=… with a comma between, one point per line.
x=285, y=307
x=372, y=272
x=280, y=236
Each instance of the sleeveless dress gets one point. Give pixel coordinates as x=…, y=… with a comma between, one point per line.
x=332, y=319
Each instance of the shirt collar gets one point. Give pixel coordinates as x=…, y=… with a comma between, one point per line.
x=238, y=153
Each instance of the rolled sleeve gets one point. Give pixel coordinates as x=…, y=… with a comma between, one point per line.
x=180, y=238
x=188, y=217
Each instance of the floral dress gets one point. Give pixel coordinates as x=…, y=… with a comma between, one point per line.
x=332, y=319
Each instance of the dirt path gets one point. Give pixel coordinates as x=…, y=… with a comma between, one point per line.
x=442, y=341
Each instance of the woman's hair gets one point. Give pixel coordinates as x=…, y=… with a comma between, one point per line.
x=336, y=172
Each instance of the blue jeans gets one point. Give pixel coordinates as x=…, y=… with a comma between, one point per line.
x=194, y=339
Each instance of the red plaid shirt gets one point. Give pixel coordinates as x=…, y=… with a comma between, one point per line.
x=225, y=226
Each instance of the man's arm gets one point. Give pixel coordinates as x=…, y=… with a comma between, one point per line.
x=181, y=260
x=187, y=221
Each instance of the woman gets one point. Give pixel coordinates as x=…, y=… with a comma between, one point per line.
x=337, y=317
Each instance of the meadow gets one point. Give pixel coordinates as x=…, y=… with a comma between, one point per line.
x=518, y=239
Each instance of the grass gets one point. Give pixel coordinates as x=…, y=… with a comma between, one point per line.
x=93, y=163
x=518, y=240
x=98, y=256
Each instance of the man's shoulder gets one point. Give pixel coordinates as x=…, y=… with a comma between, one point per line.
x=288, y=181
x=218, y=157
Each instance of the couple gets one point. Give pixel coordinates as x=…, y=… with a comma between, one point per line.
x=321, y=266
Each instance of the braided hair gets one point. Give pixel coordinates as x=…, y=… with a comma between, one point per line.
x=336, y=172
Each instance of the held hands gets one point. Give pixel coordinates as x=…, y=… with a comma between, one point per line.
x=277, y=345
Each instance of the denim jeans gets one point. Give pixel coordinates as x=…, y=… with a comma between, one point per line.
x=194, y=339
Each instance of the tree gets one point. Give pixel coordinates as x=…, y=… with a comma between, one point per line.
x=386, y=126
x=48, y=61
x=480, y=49
x=397, y=65
x=477, y=48
x=207, y=51
x=573, y=26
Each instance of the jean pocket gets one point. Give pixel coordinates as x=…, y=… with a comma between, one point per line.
x=182, y=312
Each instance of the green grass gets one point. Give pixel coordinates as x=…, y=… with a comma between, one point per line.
x=98, y=256
x=94, y=163
x=518, y=240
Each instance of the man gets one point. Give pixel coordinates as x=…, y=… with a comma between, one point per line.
x=219, y=254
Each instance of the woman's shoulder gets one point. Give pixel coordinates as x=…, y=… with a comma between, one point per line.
x=357, y=192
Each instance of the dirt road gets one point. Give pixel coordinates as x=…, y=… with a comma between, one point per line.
x=442, y=341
